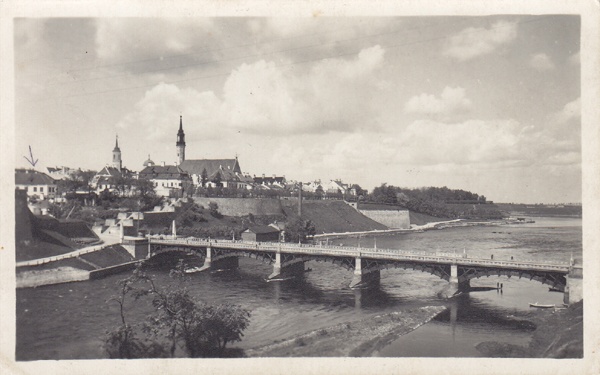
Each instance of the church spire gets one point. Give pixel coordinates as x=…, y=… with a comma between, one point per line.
x=180, y=142
x=116, y=160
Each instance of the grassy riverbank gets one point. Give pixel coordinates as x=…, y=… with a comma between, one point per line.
x=355, y=339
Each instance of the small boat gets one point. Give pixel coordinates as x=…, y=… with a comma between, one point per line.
x=555, y=290
x=540, y=306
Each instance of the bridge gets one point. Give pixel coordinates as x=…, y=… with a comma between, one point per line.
x=289, y=260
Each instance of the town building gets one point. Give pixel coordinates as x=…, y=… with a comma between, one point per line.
x=261, y=233
x=313, y=187
x=108, y=177
x=168, y=180
x=61, y=173
x=270, y=181
x=37, y=184
x=149, y=162
x=337, y=186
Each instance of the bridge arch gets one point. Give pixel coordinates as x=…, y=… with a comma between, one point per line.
x=554, y=279
x=264, y=257
x=176, y=249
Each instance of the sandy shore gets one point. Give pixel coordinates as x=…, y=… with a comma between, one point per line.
x=354, y=339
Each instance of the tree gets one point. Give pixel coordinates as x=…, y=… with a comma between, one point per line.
x=204, y=177
x=217, y=179
x=298, y=230
x=213, y=209
x=202, y=330
x=144, y=187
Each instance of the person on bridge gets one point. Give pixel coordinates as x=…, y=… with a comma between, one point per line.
x=492, y=256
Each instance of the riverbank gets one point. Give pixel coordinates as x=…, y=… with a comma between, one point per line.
x=59, y=275
x=559, y=334
x=353, y=339
x=413, y=228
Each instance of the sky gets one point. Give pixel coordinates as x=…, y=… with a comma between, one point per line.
x=485, y=104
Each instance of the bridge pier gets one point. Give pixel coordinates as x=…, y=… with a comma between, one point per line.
x=227, y=263
x=454, y=285
x=363, y=277
x=283, y=271
x=574, y=288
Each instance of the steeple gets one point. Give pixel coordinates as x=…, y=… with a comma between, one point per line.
x=180, y=142
x=116, y=159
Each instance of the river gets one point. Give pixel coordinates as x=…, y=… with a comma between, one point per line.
x=69, y=321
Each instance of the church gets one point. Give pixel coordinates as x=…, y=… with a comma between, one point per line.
x=211, y=172
x=107, y=177
x=171, y=180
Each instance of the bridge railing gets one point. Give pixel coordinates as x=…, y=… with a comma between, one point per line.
x=391, y=254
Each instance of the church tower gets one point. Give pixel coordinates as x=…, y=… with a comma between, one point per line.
x=180, y=143
x=116, y=160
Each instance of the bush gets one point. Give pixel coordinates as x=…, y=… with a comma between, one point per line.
x=202, y=330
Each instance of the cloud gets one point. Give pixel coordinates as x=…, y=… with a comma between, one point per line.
x=541, y=62
x=428, y=142
x=570, y=111
x=476, y=41
x=264, y=98
x=141, y=40
x=451, y=101
x=156, y=115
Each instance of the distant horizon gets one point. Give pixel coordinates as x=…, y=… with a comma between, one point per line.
x=485, y=104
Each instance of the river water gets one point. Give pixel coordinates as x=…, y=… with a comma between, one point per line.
x=69, y=321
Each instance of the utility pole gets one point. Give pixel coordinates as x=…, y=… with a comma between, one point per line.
x=300, y=199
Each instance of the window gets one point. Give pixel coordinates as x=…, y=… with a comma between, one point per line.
x=35, y=189
x=41, y=189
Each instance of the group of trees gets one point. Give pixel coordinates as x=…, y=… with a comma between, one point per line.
x=178, y=321
x=396, y=195
x=434, y=201
x=298, y=230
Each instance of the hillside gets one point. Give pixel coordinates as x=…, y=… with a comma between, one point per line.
x=332, y=216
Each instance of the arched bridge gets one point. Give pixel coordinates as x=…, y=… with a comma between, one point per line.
x=366, y=263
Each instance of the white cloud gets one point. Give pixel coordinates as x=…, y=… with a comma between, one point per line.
x=157, y=113
x=470, y=142
x=264, y=98
x=541, y=62
x=476, y=41
x=451, y=101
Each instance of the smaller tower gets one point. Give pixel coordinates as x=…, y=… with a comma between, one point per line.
x=180, y=143
x=116, y=159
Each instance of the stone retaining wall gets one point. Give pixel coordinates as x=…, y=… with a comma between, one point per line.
x=398, y=219
x=243, y=206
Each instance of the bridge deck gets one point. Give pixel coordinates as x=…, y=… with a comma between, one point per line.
x=371, y=253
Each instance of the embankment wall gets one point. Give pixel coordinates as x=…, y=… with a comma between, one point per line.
x=398, y=219
x=243, y=206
